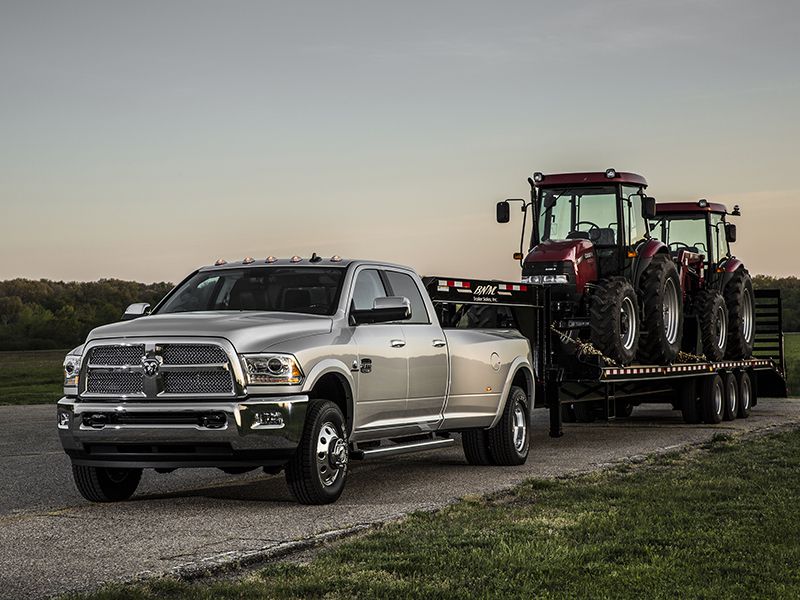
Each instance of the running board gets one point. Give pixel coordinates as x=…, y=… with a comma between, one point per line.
x=402, y=449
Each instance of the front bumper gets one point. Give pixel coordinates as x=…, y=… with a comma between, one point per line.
x=252, y=432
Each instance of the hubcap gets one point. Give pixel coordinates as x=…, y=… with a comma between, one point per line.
x=627, y=323
x=332, y=454
x=718, y=399
x=733, y=399
x=722, y=327
x=747, y=316
x=745, y=393
x=520, y=428
x=670, y=308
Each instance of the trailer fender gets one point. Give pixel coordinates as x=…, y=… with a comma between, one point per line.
x=520, y=366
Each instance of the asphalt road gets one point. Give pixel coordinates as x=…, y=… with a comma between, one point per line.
x=52, y=541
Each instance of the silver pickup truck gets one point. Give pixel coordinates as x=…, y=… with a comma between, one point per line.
x=295, y=364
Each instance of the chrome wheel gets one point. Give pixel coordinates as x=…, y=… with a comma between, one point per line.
x=746, y=393
x=721, y=323
x=733, y=398
x=747, y=315
x=519, y=428
x=627, y=323
x=671, y=308
x=718, y=399
x=332, y=454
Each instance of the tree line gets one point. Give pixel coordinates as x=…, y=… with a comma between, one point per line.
x=44, y=314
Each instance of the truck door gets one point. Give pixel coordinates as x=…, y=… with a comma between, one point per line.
x=426, y=350
x=382, y=361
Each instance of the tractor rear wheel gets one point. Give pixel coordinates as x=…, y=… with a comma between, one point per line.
x=713, y=317
x=614, y=320
x=741, y=315
x=662, y=312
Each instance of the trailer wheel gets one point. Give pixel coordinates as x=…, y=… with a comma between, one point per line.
x=568, y=413
x=614, y=320
x=712, y=399
x=623, y=409
x=741, y=315
x=316, y=473
x=509, y=439
x=731, y=409
x=476, y=447
x=584, y=412
x=687, y=399
x=746, y=394
x=103, y=484
x=713, y=317
x=662, y=312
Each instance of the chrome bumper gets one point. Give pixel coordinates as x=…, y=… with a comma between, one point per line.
x=251, y=432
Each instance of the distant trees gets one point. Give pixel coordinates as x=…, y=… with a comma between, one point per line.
x=43, y=314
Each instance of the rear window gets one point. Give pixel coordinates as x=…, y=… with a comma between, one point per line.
x=475, y=316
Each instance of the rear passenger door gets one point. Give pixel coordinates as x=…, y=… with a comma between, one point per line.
x=426, y=350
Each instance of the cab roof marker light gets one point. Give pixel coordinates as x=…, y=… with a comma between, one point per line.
x=538, y=177
x=220, y=262
x=270, y=260
x=611, y=173
x=336, y=258
x=296, y=259
x=248, y=260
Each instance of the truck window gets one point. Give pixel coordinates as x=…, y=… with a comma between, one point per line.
x=368, y=287
x=404, y=285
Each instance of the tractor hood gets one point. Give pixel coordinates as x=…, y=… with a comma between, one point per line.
x=553, y=251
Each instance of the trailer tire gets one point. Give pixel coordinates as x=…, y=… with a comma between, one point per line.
x=104, y=484
x=509, y=439
x=662, y=312
x=317, y=472
x=614, y=320
x=740, y=299
x=623, y=409
x=731, y=410
x=568, y=413
x=476, y=447
x=687, y=399
x=584, y=412
x=746, y=394
x=712, y=399
x=712, y=314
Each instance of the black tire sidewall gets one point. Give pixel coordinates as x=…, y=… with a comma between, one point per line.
x=653, y=345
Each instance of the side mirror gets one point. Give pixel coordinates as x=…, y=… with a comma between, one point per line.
x=384, y=310
x=503, y=212
x=134, y=311
x=648, y=207
x=730, y=232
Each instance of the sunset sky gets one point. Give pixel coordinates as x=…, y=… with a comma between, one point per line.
x=140, y=140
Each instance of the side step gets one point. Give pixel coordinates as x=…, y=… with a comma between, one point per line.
x=401, y=449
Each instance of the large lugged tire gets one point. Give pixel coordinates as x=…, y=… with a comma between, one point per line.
x=712, y=399
x=316, y=473
x=614, y=320
x=662, y=312
x=476, y=447
x=712, y=315
x=103, y=484
x=509, y=439
x=686, y=392
x=731, y=409
x=746, y=394
x=741, y=315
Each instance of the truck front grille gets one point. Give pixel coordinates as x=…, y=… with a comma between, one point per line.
x=193, y=354
x=198, y=382
x=116, y=383
x=118, y=355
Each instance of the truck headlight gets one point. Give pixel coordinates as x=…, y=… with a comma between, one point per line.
x=271, y=369
x=72, y=368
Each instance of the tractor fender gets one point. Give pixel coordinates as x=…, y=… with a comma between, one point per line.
x=645, y=253
x=728, y=268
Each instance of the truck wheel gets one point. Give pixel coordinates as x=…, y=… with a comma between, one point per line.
x=731, y=409
x=713, y=317
x=662, y=312
x=712, y=399
x=103, y=484
x=739, y=298
x=509, y=439
x=476, y=447
x=746, y=394
x=316, y=473
x=687, y=400
x=614, y=320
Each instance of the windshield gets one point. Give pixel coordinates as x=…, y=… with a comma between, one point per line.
x=582, y=212
x=308, y=290
x=684, y=233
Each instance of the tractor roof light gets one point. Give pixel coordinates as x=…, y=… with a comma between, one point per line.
x=702, y=203
x=538, y=177
x=611, y=173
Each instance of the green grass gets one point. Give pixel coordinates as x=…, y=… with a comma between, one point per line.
x=715, y=524
x=791, y=347
x=31, y=377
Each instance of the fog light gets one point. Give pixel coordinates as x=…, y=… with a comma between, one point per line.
x=272, y=419
x=63, y=419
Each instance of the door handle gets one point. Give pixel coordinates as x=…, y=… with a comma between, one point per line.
x=398, y=343
x=439, y=343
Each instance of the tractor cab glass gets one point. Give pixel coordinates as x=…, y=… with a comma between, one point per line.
x=684, y=233
x=588, y=213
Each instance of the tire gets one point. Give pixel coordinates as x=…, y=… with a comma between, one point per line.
x=584, y=412
x=510, y=439
x=712, y=315
x=687, y=400
x=623, y=409
x=712, y=399
x=731, y=408
x=476, y=447
x=740, y=300
x=317, y=472
x=746, y=394
x=568, y=413
x=614, y=320
x=662, y=312
x=103, y=484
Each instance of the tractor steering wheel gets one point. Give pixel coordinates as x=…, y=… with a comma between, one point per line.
x=678, y=246
x=593, y=225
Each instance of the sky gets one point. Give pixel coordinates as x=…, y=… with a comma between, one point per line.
x=140, y=140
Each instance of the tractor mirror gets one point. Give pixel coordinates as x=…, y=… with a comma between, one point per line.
x=730, y=232
x=503, y=212
x=648, y=207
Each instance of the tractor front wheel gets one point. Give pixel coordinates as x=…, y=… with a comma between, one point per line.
x=662, y=312
x=713, y=317
x=741, y=315
x=614, y=320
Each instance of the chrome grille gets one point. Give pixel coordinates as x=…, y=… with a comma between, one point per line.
x=198, y=382
x=122, y=383
x=193, y=354
x=117, y=355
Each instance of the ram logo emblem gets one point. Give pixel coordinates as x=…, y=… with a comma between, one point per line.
x=151, y=366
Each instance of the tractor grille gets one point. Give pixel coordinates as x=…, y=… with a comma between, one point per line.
x=116, y=370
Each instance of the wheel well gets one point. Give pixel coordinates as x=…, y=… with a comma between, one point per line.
x=334, y=387
x=524, y=379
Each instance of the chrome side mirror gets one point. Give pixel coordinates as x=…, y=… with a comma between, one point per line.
x=384, y=310
x=134, y=311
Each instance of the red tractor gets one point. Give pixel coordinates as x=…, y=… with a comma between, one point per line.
x=717, y=291
x=610, y=281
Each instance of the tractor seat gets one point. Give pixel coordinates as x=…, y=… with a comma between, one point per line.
x=604, y=236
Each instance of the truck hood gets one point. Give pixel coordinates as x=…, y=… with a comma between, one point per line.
x=248, y=331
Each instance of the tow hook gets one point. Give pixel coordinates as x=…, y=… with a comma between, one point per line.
x=213, y=421
x=97, y=420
